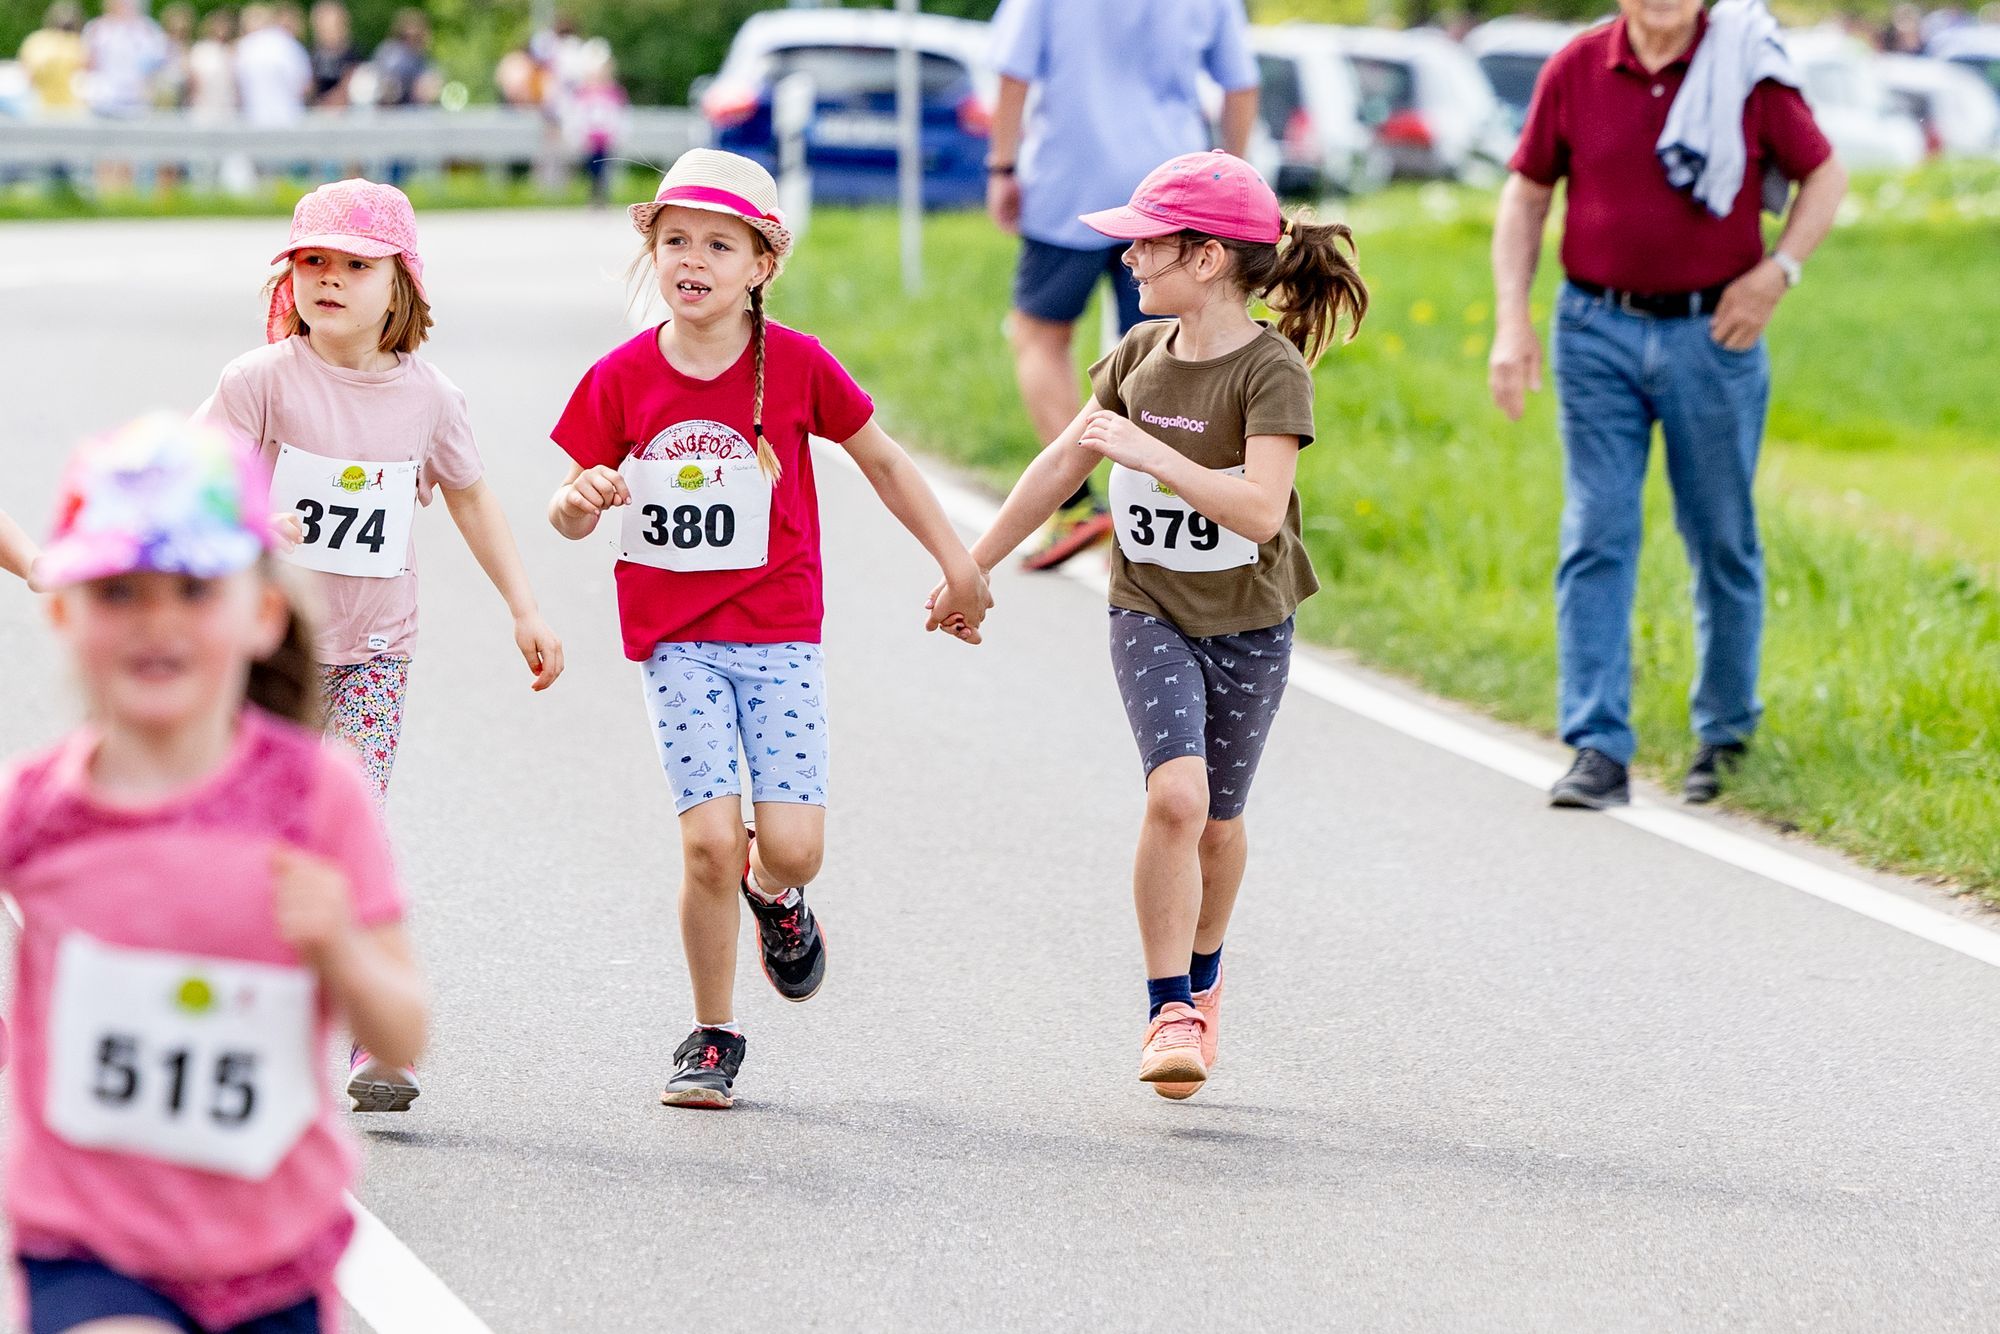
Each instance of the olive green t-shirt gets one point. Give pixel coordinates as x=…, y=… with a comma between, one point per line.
x=1208, y=410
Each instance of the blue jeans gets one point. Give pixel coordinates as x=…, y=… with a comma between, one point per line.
x=1616, y=374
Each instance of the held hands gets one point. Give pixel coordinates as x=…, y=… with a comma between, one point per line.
x=1116, y=438
x=1515, y=367
x=958, y=606
x=595, y=491
x=540, y=648
x=311, y=906
x=1747, y=306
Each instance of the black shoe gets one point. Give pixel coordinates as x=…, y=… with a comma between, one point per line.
x=705, y=1067
x=791, y=942
x=1593, y=782
x=1711, y=764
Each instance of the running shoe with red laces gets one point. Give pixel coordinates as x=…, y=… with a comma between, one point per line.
x=1076, y=528
x=377, y=1086
x=790, y=944
x=706, y=1067
x=1171, y=1060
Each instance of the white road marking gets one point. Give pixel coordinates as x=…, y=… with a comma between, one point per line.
x=1413, y=718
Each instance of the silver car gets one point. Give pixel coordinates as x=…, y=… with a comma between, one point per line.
x=1310, y=104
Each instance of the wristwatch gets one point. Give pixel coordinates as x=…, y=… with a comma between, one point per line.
x=1791, y=268
x=999, y=169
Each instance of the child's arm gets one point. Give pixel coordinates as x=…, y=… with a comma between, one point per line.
x=18, y=551
x=584, y=495
x=1051, y=479
x=476, y=511
x=908, y=497
x=1252, y=505
x=368, y=971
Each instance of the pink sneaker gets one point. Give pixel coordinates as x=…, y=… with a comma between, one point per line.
x=1171, y=1059
x=376, y=1087
x=1210, y=1004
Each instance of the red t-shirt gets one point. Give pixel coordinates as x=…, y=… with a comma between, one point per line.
x=1596, y=118
x=631, y=401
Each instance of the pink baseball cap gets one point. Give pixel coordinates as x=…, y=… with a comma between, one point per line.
x=355, y=217
x=1212, y=193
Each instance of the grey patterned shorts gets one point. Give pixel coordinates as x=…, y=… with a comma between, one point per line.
x=1214, y=697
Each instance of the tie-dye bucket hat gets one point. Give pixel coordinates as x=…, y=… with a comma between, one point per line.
x=355, y=217
x=159, y=494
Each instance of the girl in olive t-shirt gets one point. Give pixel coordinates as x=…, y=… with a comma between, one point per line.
x=1202, y=413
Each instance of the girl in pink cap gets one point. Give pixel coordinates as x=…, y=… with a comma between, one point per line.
x=698, y=430
x=1202, y=412
x=205, y=890
x=359, y=431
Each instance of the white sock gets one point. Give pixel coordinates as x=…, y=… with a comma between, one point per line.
x=768, y=895
x=727, y=1026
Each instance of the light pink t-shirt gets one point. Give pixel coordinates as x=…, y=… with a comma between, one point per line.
x=284, y=394
x=189, y=876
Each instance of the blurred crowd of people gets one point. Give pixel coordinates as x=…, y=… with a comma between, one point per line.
x=1912, y=29
x=265, y=63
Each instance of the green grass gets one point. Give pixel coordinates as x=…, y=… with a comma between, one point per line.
x=1432, y=520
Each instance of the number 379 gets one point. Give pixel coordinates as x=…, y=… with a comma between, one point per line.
x=1202, y=531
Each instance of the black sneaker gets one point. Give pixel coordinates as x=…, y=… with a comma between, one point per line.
x=705, y=1067
x=1711, y=765
x=792, y=945
x=1593, y=782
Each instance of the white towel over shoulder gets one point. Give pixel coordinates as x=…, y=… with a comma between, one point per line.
x=1702, y=146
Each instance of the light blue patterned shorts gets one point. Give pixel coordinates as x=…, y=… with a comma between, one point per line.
x=708, y=697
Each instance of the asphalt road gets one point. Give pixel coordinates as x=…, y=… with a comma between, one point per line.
x=1487, y=1066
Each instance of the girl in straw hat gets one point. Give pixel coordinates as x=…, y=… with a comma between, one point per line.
x=697, y=432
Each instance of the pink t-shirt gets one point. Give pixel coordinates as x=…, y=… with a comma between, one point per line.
x=190, y=876
x=284, y=394
x=632, y=400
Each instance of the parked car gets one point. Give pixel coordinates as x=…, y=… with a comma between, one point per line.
x=1957, y=110
x=1851, y=104
x=1310, y=107
x=1429, y=103
x=850, y=56
x=1511, y=53
x=1975, y=45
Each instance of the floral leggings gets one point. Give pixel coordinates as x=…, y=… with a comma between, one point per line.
x=364, y=708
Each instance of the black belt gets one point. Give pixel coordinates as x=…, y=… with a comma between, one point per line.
x=1660, y=305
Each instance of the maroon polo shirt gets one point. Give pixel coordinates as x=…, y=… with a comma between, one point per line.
x=1596, y=118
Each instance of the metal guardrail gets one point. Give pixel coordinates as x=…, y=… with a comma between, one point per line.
x=420, y=138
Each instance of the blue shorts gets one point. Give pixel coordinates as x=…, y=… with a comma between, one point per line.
x=709, y=697
x=63, y=1294
x=1053, y=282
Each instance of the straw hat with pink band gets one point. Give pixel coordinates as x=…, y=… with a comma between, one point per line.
x=719, y=182
x=355, y=217
x=1211, y=193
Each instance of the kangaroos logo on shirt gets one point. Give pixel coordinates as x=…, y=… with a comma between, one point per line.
x=705, y=439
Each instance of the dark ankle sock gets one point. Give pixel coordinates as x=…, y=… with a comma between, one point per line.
x=1204, y=969
x=1161, y=991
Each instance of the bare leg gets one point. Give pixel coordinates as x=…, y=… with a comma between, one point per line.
x=712, y=851
x=1224, y=848
x=1047, y=375
x=791, y=844
x=1167, y=872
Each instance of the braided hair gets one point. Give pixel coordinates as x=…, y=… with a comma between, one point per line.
x=767, y=458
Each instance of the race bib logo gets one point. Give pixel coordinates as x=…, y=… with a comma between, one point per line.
x=1160, y=488
x=698, y=439
x=195, y=996
x=691, y=478
x=357, y=479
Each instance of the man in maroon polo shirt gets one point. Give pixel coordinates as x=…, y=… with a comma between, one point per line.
x=1661, y=320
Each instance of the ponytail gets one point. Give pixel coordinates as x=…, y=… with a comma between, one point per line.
x=1313, y=284
x=767, y=458
x=1307, y=279
x=286, y=682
